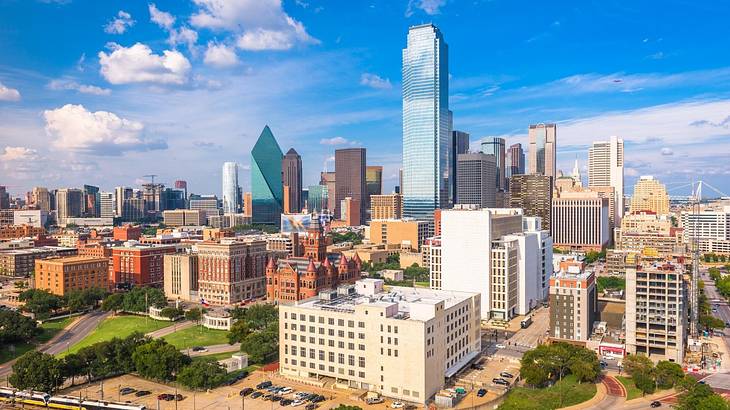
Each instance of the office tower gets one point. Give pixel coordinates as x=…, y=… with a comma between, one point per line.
x=63, y=275
x=499, y=253
x=710, y=228
x=206, y=203
x=399, y=188
x=475, y=181
x=426, y=134
x=91, y=205
x=153, y=198
x=4, y=198
x=183, y=186
x=386, y=206
x=515, y=162
x=42, y=198
x=133, y=209
x=534, y=195
x=350, y=178
x=656, y=311
x=230, y=188
x=180, y=272
x=318, y=198
x=120, y=194
x=291, y=171
x=70, y=204
x=328, y=180
x=411, y=323
x=650, y=195
x=606, y=168
x=459, y=145
x=184, y=217
x=496, y=146
x=573, y=302
x=247, y=205
x=580, y=221
x=106, y=205
x=173, y=199
x=542, y=140
x=267, y=191
x=373, y=181
x=245, y=275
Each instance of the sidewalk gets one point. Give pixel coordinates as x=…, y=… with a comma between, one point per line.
x=170, y=329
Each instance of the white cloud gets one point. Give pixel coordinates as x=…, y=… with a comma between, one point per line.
x=64, y=84
x=137, y=64
x=119, y=24
x=183, y=35
x=161, y=18
x=375, y=81
x=8, y=94
x=338, y=141
x=666, y=151
x=258, y=24
x=18, y=154
x=430, y=7
x=220, y=55
x=74, y=128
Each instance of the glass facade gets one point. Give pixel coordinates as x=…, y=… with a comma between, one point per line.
x=230, y=187
x=426, y=133
x=318, y=196
x=267, y=195
x=495, y=146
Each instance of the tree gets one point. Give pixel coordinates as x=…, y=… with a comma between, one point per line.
x=15, y=327
x=610, y=282
x=713, y=402
x=697, y=396
x=204, y=374
x=171, y=313
x=262, y=345
x=40, y=302
x=158, y=360
x=260, y=316
x=667, y=374
x=37, y=371
x=74, y=366
x=644, y=381
x=638, y=363
x=113, y=302
x=194, y=315
x=239, y=331
x=533, y=369
x=584, y=365
x=82, y=299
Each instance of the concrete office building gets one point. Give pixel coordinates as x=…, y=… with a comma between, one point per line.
x=21, y=262
x=184, y=217
x=705, y=225
x=63, y=275
x=542, y=150
x=408, y=233
x=475, y=181
x=401, y=344
x=291, y=171
x=573, y=302
x=459, y=145
x=656, y=311
x=120, y=195
x=373, y=182
x=534, y=195
x=580, y=221
x=133, y=209
x=70, y=204
x=106, y=205
x=350, y=179
x=606, y=169
x=650, y=195
x=496, y=146
x=36, y=218
x=386, y=206
x=181, y=276
x=231, y=271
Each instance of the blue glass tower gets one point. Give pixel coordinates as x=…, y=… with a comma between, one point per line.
x=426, y=123
x=267, y=193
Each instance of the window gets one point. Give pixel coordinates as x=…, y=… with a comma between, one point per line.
x=351, y=360
x=341, y=358
x=361, y=361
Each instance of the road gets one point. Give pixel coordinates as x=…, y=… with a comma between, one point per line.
x=214, y=349
x=65, y=338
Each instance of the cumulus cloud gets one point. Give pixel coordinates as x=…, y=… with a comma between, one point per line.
x=74, y=128
x=161, y=18
x=120, y=23
x=183, y=35
x=137, y=64
x=258, y=24
x=338, y=141
x=18, y=154
x=375, y=81
x=64, y=84
x=666, y=151
x=219, y=55
x=8, y=94
x=430, y=7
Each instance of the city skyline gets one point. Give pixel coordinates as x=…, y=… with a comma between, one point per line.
x=666, y=100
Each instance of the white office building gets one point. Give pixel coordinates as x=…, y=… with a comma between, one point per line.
x=606, y=168
x=107, y=204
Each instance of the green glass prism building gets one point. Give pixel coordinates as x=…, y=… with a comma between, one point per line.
x=426, y=123
x=267, y=193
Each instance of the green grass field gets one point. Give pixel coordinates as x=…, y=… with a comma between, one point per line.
x=48, y=330
x=117, y=326
x=563, y=394
x=631, y=391
x=197, y=336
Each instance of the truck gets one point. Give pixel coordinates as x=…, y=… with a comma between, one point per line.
x=526, y=322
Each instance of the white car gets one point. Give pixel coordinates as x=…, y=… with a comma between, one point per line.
x=286, y=390
x=500, y=346
x=397, y=405
x=296, y=403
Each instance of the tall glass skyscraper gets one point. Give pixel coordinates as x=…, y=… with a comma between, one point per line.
x=267, y=193
x=426, y=133
x=495, y=146
x=230, y=188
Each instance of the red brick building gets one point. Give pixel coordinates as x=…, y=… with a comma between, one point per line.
x=231, y=271
x=127, y=233
x=138, y=265
x=293, y=279
x=99, y=250
x=20, y=231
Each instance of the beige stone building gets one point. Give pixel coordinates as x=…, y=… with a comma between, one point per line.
x=181, y=276
x=386, y=206
x=408, y=233
x=184, y=217
x=402, y=343
x=650, y=195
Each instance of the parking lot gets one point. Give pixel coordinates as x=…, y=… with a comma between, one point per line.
x=476, y=378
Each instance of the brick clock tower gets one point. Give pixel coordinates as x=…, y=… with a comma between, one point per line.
x=315, y=245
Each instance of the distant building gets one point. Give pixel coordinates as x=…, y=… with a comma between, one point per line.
x=127, y=233
x=496, y=146
x=542, y=150
x=459, y=145
x=386, y=206
x=184, y=217
x=475, y=181
x=291, y=171
x=42, y=199
x=62, y=275
x=328, y=179
x=133, y=209
x=231, y=271
x=373, y=182
x=580, y=221
x=606, y=169
x=350, y=179
x=350, y=212
x=318, y=198
x=230, y=188
x=70, y=204
x=266, y=183
x=20, y=231
x=408, y=233
x=573, y=302
x=106, y=205
x=515, y=162
x=21, y=262
x=650, y=195
x=534, y=195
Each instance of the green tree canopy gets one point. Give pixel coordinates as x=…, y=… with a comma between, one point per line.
x=262, y=345
x=638, y=363
x=194, y=314
x=158, y=360
x=667, y=374
x=204, y=374
x=113, y=302
x=40, y=302
x=644, y=381
x=15, y=327
x=239, y=331
x=37, y=371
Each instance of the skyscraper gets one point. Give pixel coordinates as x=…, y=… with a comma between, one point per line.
x=459, y=145
x=328, y=180
x=42, y=198
x=266, y=186
x=650, y=195
x=350, y=178
x=106, y=204
x=230, y=188
x=475, y=183
x=4, y=198
x=318, y=196
x=91, y=205
x=606, y=168
x=120, y=194
x=534, y=195
x=515, y=162
x=291, y=171
x=426, y=134
x=182, y=185
x=374, y=180
x=542, y=149
x=70, y=204
x=495, y=146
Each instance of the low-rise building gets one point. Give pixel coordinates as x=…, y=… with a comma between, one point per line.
x=184, y=217
x=408, y=233
x=62, y=275
x=139, y=265
x=21, y=262
x=20, y=231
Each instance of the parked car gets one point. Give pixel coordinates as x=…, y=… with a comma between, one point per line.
x=142, y=393
x=246, y=391
x=297, y=402
x=655, y=404
x=397, y=405
x=311, y=406
x=286, y=402
x=477, y=366
x=177, y=397
x=268, y=397
x=481, y=392
x=126, y=390
x=256, y=394
x=507, y=375
x=263, y=385
x=286, y=390
x=277, y=398
x=374, y=400
x=500, y=381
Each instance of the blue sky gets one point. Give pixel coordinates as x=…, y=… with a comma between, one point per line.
x=106, y=92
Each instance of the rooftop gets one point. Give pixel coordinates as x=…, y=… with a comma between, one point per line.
x=77, y=259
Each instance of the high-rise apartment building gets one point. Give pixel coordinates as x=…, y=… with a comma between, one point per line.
x=656, y=311
x=580, y=221
x=266, y=183
x=606, y=168
x=291, y=171
x=573, y=302
x=120, y=194
x=542, y=149
x=515, y=162
x=386, y=206
x=230, y=188
x=475, y=181
x=426, y=134
x=496, y=146
x=368, y=337
x=133, y=209
x=408, y=233
x=350, y=178
x=650, y=195
x=70, y=204
x=4, y=197
x=459, y=145
x=232, y=271
x=534, y=195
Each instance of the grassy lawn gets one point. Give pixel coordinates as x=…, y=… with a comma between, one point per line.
x=48, y=330
x=563, y=394
x=631, y=391
x=118, y=326
x=197, y=336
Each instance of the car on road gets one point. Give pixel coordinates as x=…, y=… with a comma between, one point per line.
x=374, y=400
x=481, y=392
x=500, y=381
x=142, y=393
x=500, y=346
x=246, y=391
x=727, y=324
x=603, y=364
x=126, y=390
x=199, y=349
x=656, y=404
x=397, y=405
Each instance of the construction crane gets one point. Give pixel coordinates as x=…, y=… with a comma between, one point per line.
x=151, y=176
